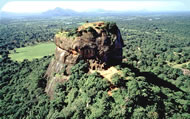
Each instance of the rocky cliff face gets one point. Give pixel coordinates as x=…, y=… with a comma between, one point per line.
x=99, y=44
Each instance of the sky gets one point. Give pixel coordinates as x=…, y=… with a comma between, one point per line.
x=26, y=6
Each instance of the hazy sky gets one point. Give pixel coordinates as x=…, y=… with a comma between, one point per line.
x=123, y=5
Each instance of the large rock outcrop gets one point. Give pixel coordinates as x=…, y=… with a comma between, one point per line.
x=99, y=44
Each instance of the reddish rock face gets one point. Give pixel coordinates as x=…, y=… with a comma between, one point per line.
x=99, y=44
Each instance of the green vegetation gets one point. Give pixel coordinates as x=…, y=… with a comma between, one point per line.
x=148, y=87
x=31, y=52
x=22, y=89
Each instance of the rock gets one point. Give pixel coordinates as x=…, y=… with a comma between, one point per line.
x=99, y=44
x=186, y=72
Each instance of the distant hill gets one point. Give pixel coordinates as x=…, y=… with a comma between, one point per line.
x=60, y=12
x=93, y=12
x=49, y=13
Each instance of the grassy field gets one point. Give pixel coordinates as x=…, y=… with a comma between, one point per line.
x=31, y=52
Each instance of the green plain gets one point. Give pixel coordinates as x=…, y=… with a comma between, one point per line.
x=32, y=52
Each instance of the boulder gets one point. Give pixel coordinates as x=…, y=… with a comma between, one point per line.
x=98, y=43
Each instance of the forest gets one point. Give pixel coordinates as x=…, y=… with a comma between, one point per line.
x=152, y=83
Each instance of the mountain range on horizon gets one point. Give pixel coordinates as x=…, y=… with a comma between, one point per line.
x=69, y=12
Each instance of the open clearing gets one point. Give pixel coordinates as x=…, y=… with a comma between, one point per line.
x=178, y=66
x=32, y=52
x=107, y=73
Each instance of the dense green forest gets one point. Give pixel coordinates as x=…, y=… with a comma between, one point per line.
x=152, y=83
